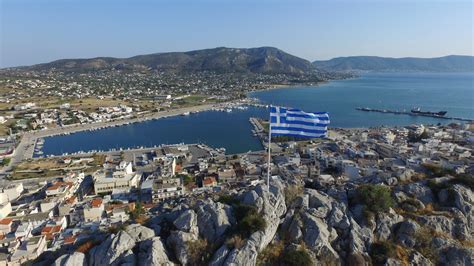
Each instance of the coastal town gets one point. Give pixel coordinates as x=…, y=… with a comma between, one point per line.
x=180, y=203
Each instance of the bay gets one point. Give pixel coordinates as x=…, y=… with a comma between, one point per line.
x=452, y=92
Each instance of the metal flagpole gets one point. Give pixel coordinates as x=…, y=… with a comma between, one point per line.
x=269, y=147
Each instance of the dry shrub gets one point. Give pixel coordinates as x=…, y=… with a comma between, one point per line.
x=402, y=255
x=199, y=252
x=271, y=254
x=292, y=192
x=423, y=237
x=235, y=241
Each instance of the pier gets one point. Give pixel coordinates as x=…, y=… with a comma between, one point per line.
x=414, y=114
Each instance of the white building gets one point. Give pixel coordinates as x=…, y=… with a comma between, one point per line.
x=11, y=192
x=5, y=209
x=106, y=181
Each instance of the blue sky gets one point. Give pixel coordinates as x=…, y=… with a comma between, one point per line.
x=38, y=31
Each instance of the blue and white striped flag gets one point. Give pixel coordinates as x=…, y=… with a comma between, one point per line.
x=296, y=123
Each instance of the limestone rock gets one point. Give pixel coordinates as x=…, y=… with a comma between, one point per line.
x=113, y=250
x=186, y=222
x=178, y=241
x=76, y=258
x=417, y=259
x=213, y=219
x=153, y=252
x=406, y=233
x=139, y=232
x=220, y=256
x=457, y=256
x=317, y=238
x=419, y=191
x=385, y=224
x=271, y=203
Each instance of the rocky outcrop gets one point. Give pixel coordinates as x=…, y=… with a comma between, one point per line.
x=385, y=224
x=139, y=232
x=271, y=204
x=178, y=241
x=417, y=259
x=457, y=256
x=214, y=219
x=113, y=251
x=419, y=191
x=76, y=258
x=187, y=222
x=318, y=236
x=406, y=233
x=153, y=252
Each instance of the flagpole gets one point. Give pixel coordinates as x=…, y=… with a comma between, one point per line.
x=269, y=147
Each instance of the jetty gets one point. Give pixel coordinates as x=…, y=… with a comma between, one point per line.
x=396, y=112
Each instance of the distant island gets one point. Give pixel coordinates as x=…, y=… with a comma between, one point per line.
x=452, y=63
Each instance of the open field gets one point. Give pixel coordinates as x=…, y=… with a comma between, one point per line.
x=53, y=167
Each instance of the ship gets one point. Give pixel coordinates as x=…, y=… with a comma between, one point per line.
x=418, y=111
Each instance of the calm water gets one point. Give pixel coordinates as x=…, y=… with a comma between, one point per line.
x=433, y=92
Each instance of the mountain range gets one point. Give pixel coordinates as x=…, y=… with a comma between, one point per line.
x=221, y=59
x=452, y=63
x=268, y=60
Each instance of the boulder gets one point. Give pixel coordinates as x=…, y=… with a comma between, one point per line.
x=417, y=259
x=457, y=256
x=294, y=231
x=153, y=252
x=178, y=241
x=385, y=224
x=213, y=219
x=300, y=202
x=187, y=222
x=438, y=223
x=318, y=199
x=271, y=204
x=359, y=238
x=406, y=233
x=139, y=232
x=419, y=191
x=76, y=258
x=317, y=238
x=464, y=201
x=113, y=251
x=337, y=218
x=220, y=256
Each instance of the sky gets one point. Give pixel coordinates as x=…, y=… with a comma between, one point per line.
x=39, y=31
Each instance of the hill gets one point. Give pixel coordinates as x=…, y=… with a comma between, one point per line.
x=452, y=63
x=222, y=59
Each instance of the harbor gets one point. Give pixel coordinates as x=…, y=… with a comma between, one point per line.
x=439, y=115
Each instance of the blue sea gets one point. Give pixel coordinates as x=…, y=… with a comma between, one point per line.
x=451, y=92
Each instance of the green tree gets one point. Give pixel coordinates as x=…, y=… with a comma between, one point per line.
x=375, y=198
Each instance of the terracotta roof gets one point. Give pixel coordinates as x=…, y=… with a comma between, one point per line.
x=69, y=239
x=71, y=200
x=208, y=181
x=51, y=229
x=95, y=203
x=58, y=184
x=6, y=221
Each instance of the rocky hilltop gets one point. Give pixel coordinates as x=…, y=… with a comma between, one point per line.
x=371, y=222
x=267, y=60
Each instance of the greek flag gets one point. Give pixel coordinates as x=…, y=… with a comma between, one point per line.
x=296, y=123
